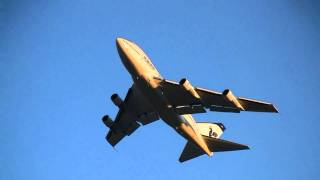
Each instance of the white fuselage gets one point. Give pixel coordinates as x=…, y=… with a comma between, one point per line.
x=147, y=80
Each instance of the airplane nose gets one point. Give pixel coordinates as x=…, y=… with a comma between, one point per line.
x=119, y=41
x=123, y=50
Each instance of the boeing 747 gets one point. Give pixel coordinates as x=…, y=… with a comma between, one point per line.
x=152, y=97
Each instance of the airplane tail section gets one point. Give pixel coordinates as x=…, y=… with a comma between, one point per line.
x=211, y=129
x=210, y=132
x=219, y=145
x=190, y=151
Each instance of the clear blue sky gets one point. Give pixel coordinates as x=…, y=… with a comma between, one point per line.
x=59, y=66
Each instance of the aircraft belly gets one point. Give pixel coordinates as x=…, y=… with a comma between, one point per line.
x=178, y=122
x=159, y=102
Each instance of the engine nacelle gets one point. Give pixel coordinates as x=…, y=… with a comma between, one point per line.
x=188, y=87
x=116, y=100
x=228, y=95
x=107, y=121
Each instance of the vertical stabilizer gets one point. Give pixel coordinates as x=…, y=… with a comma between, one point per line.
x=211, y=129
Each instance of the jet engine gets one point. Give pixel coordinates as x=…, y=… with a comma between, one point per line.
x=228, y=95
x=107, y=121
x=116, y=100
x=188, y=87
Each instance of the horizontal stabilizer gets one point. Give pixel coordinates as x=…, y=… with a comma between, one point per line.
x=218, y=145
x=190, y=151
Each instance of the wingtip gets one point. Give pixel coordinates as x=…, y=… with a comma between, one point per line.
x=275, y=109
x=244, y=147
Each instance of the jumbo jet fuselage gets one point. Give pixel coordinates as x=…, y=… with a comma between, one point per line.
x=146, y=79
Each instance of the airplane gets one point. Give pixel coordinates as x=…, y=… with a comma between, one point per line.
x=152, y=97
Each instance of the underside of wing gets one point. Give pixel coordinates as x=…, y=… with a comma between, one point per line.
x=124, y=125
x=189, y=100
x=255, y=105
x=133, y=111
x=227, y=102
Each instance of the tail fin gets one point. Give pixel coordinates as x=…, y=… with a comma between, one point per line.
x=211, y=129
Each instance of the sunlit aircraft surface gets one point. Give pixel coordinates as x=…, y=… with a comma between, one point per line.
x=152, y=97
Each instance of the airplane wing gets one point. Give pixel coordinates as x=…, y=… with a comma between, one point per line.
x=186, y=103
x=135, y=110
